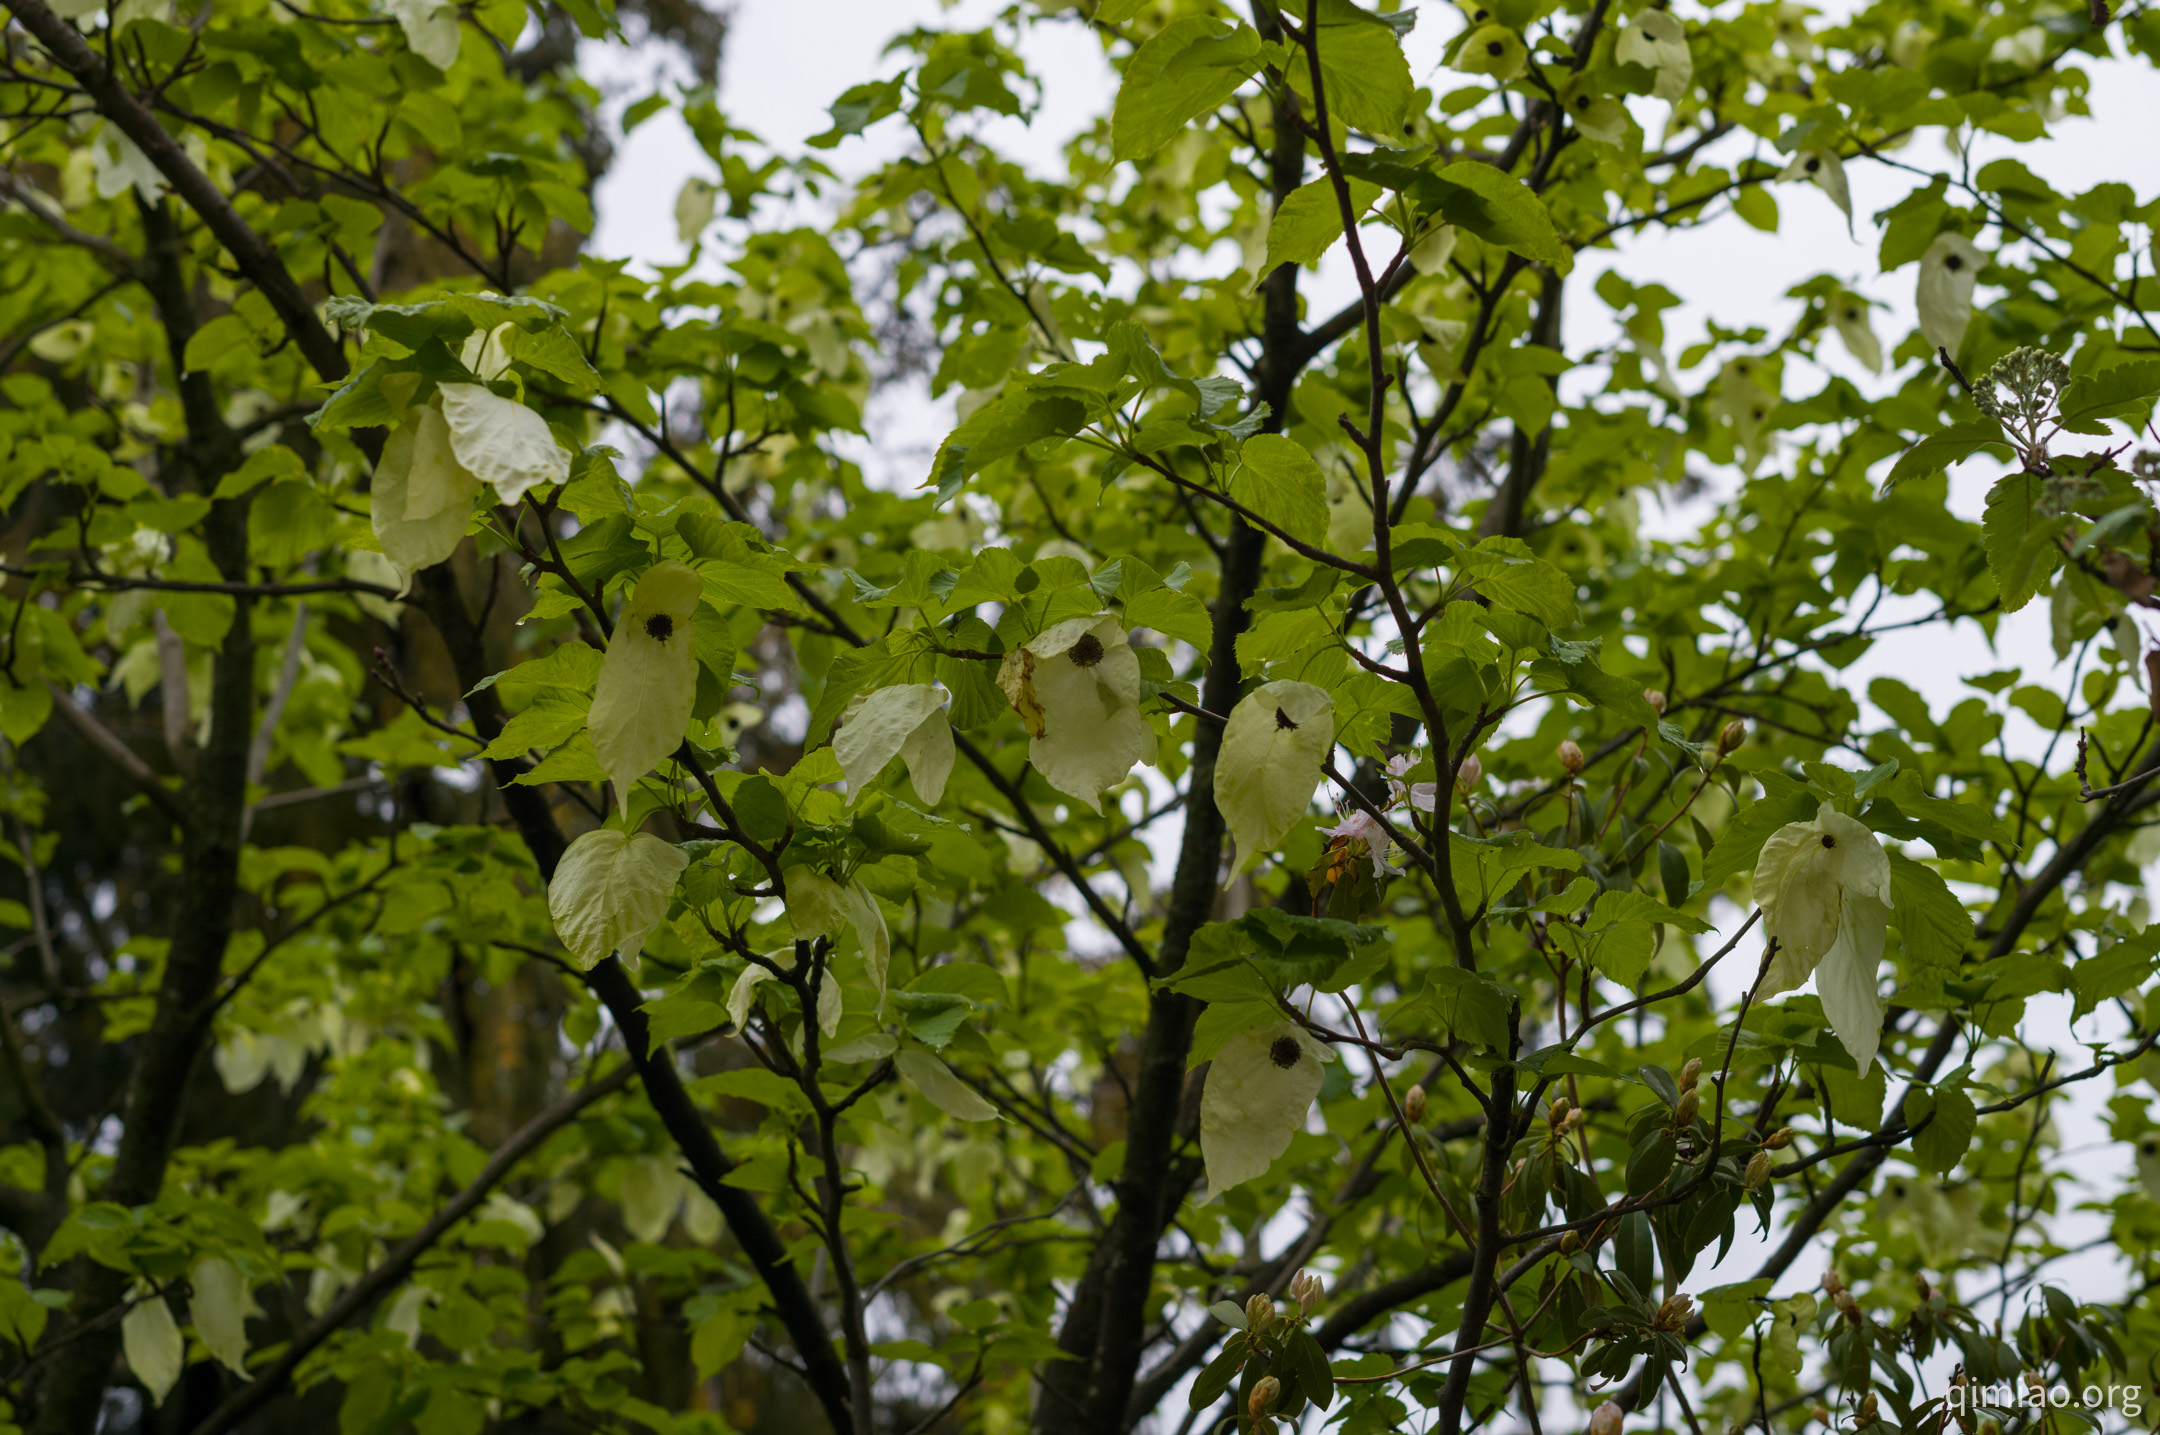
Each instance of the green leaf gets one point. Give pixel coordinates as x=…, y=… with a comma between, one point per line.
x=1943, y=1141
x=2020, y=543
x=1310, y=220
x=1507, y=574
x=1496, y=208
x=1470, y=1005
x=1191, y=66
x=1279, y=480
x=2125, y=391
x=1936, y=927
x=1939, y=451
x=1362, y=68
x=2118, y=971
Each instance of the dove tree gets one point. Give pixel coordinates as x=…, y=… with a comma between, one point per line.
x=563, y=881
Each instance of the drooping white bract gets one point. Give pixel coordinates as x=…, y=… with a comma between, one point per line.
x=1824, y=889
x=1077, y=687
x=1827, y=170
x=431, y=29
x=818, y=906
x=648, y=684
x=1849, y=313
x=1259, y=1088
x=610, y=891
x=1654, y=38
x=150, y=1339
x=1272, y=750
x=421, y=498
x=1948, y=272
x=906, y=721
x=505, y=444
x=219, y=1306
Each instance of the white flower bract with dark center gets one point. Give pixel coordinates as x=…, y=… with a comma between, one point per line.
x=1824, y=889
x=1272, y=750
x=648, y=683
x=1259, y=1087
x=1948, y=272
x=1077, y=686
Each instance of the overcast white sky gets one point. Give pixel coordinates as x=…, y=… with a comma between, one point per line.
x=786, y=60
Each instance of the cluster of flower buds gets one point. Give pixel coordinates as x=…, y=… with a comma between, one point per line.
x=1306, y=1289
x=1819, y=1413
x=1606, y=1419
x=1259, y=1314
x=1867, y=1414
x=1730, y=738
x=1413, y=1104
x=1571, y=758
x=1675, y=1313
x=1263, y=1395
x=1656, y=699
x=1842, y=1297
x=1469, y=775
x=1689, y=1103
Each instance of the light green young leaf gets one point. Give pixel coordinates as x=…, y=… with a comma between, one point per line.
x=610, y=891
x=1188, y=68
x=921, y=1069
x=431, y=29
x=1272, y=750
x=817, y=906
x=1309, y=222
x=1259, y=1088
x=1279, y=480
x=648, y=684
x=2020, y=541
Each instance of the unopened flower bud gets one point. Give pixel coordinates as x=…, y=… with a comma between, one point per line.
x=1413, y=1104
x=1758, y=1170
x=2033, y=1379
x=1848, y=1306
x=1576, y=1118
x=1470, y=774
x=1868, y=1414
x=1779, y=1139
x=1570, y=1243
x=1606, y=1419
x=1920, y=1284
x=1990, y=1426
x=1684, y=1112
x=1259, y=1313
x=1306, y=1289
x=1571, y=757
x=1820, y=1414
x=1729, y=740
x=1675, y=1313
x=1263, y=1395
x=1558, y=1112
x=1691, y=1073
x=1656, y=699
x=1832, y=1282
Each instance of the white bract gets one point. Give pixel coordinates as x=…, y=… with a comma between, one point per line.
x=1272, y=749
x=1849, y=313
x=117, y=163
x=1654, y=39
x=501, y=442
x=648, y=684
x=150, y=1339
x=651, y=1191
x=693, y=208
x=1827, y=170
x=1948, y=272
x=610, y=891
x=1259, y=1088
x=422, y=496
x=1077, y=688
x=907, y=722
x=1824, y=889
x=744, y=992
x=219, y=1307
x=818, y=906
x=431, y=29
x=935, y=1080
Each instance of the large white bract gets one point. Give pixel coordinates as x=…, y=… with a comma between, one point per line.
x=1948, y=272
x=906, y=721
x=648, y=684
x=1077, y=687
x=1272, y=751
x=150, y=1339
x=1824, y=889
x=610, y=891
x=1259, y=1088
